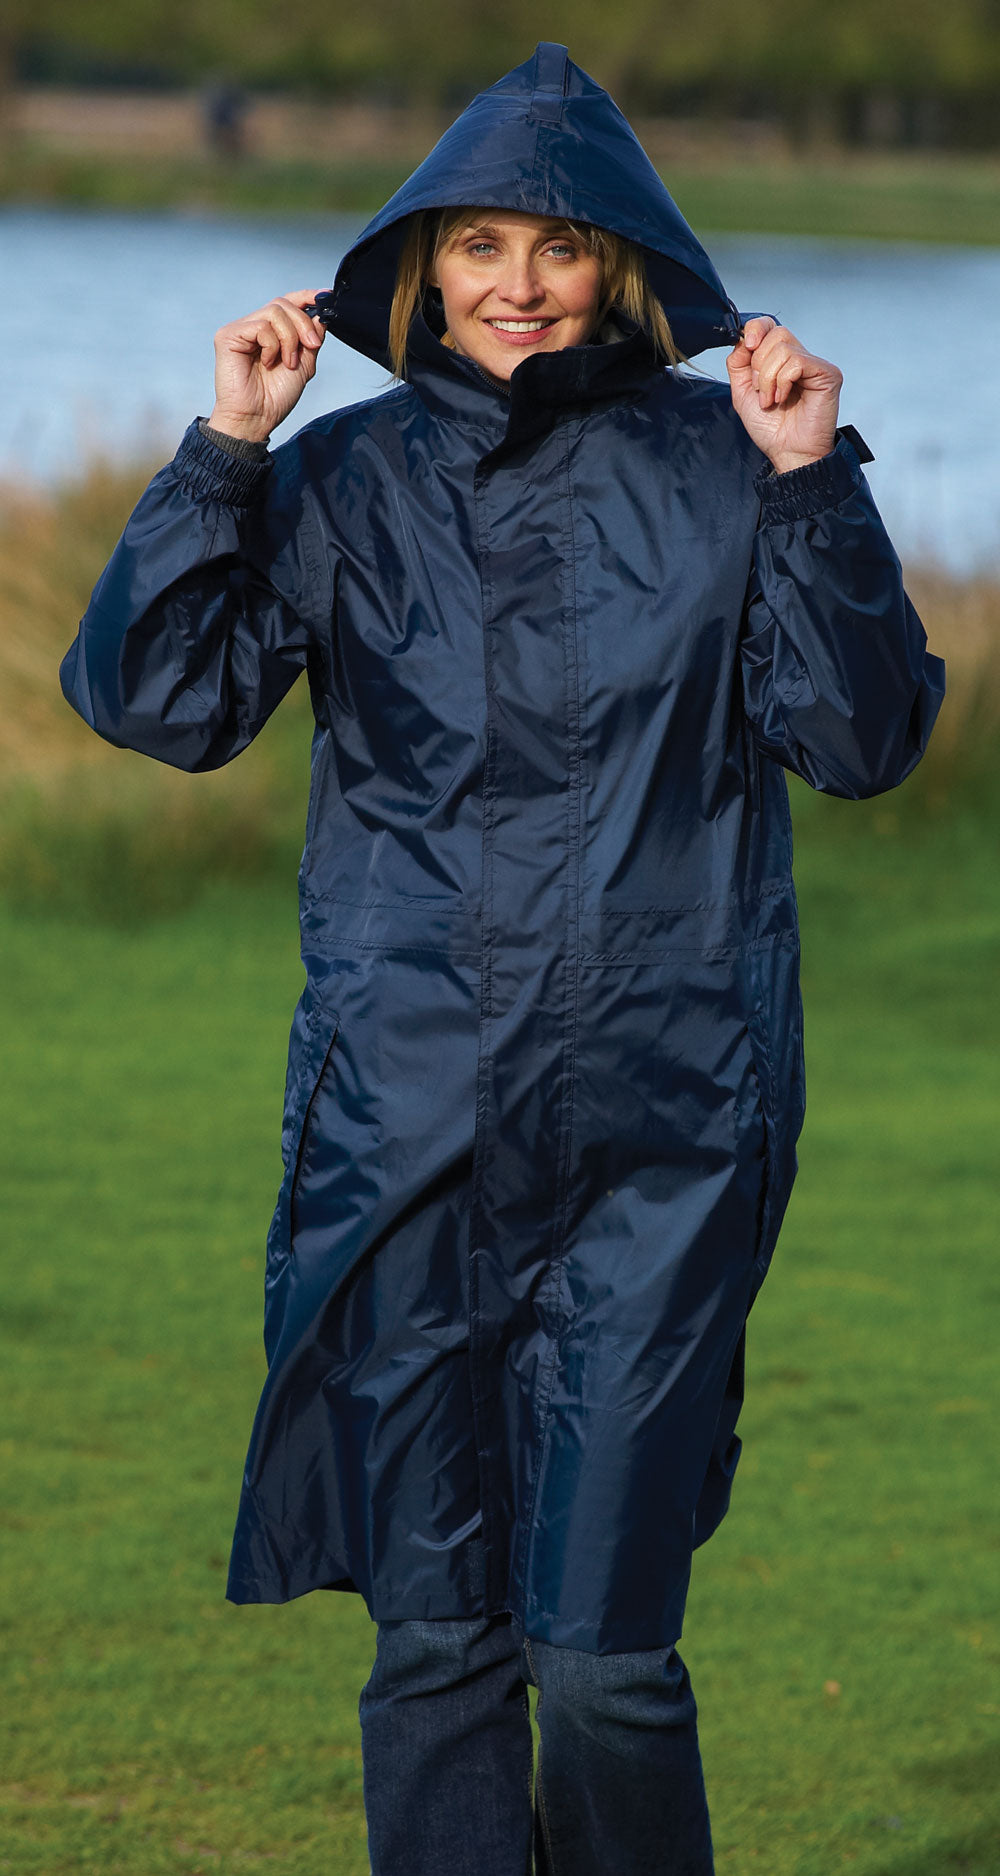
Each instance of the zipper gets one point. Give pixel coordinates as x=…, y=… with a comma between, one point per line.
x=495, y=384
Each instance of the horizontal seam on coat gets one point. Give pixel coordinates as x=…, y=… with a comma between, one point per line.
x=385, y=946
x=652, y=955
x=392, y=905
x=663, y=909
x=707, y=905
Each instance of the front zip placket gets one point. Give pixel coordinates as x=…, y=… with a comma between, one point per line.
x=531, y=860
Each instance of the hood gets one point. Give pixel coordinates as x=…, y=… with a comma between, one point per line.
x=548, y=140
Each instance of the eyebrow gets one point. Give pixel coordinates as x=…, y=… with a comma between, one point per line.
x=551, y=226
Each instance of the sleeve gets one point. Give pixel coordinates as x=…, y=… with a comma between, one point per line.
x=200, y=623
x=838, y=683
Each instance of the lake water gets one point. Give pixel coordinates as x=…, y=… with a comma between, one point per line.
x=106, y=324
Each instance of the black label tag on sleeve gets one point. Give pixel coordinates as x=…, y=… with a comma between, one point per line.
x=856, y=441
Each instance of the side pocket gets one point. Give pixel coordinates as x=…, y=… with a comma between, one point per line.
x=763, y=1070
x=774, y=1026
x=327, y=1042
x=313, y=1037
x=751, y=764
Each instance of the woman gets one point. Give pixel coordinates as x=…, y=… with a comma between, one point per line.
x=566, y=613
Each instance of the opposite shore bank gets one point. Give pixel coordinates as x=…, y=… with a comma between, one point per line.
x=141, y=150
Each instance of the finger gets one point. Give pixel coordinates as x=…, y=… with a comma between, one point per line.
x=311, y=332
x=289, y=337
x=272, y=332
x=794, y=365
x=772, y=346
x=312, y=329
x=743, y=360
x=770, y=359
x=756, y=330
x=303, y=296
x=789, y=373
x=254, y=334
x=739, y=363
x=263, y=339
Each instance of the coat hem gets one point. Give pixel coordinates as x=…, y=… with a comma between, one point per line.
x=244, y=1590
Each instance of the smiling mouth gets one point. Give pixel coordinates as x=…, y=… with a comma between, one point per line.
x=521, y=328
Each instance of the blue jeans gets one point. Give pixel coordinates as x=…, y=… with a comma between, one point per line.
x=447, y=1757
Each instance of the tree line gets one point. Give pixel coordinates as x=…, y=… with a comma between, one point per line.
x=890, y=71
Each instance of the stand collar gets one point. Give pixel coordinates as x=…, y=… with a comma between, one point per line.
x=452, y=386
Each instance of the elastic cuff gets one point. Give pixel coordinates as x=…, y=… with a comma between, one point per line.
x=209, y=470
x=817, y=485
x=233, y=445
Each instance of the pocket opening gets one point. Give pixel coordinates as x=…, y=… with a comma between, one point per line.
x=307, y=1114
x=763, y=1076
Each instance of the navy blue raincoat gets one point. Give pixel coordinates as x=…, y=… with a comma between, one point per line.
x=545, y=1079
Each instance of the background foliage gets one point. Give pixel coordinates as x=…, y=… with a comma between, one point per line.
x=892, y=70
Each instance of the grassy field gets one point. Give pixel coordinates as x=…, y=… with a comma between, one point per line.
x=844, y=1629
x=841, y=1627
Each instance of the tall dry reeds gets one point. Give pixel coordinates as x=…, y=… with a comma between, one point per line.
x=83, y=825
x=962, y=618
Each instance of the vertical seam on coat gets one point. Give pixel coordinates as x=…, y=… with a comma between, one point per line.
x=572, y=993
x=767, y=1106
x=485, y=1046
x=528, y=193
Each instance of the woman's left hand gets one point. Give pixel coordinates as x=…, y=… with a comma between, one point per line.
x=786, y=399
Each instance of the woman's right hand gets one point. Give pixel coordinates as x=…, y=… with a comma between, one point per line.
x=262, y=366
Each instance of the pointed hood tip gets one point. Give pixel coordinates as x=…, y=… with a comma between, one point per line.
x=545, y=139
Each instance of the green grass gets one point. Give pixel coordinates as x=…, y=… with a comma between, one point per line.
x=861, y=1552
x=889, y=198
x=840, y=1630
x=920, y=198
x=253, y=186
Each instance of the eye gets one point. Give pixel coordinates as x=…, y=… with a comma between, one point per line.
x=480, y=247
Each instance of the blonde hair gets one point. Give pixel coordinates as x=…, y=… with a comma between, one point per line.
x=624, y=285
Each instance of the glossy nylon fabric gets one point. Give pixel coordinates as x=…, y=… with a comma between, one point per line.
x=545, y=1078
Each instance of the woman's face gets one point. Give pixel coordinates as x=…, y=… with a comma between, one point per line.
x=515, y=284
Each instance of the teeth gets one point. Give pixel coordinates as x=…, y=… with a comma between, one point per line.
x=519, y=325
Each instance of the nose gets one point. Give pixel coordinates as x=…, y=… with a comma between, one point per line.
x=520, y=284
